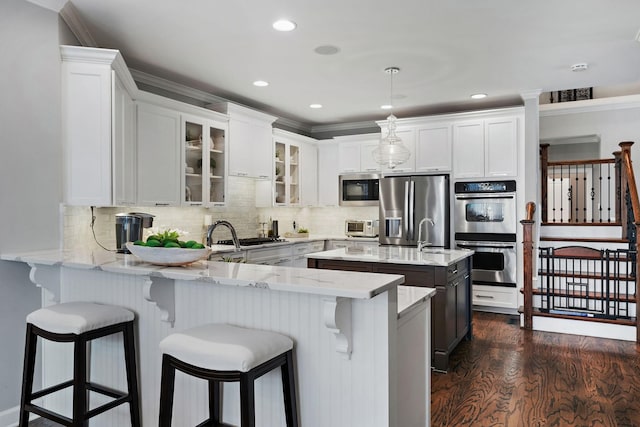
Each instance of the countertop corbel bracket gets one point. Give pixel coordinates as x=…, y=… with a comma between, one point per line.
x=161, y=292
x=337, y=318
x=46, y=277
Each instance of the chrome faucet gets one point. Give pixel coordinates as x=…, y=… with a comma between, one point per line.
x=227, y=224
x=420, y=241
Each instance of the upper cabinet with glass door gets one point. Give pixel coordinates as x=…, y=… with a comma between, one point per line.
x=295, y=170
x=287, y=174
x=204, y=150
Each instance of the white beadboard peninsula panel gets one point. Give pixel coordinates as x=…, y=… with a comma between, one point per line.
x=332, y=389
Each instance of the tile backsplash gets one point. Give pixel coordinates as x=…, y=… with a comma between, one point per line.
x=240, y=211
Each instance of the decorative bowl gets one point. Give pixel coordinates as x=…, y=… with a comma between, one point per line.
x=167, y=256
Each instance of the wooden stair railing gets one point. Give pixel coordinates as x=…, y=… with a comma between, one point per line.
x=629, y=184
x=627, y=214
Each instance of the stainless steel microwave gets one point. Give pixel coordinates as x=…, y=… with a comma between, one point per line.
x=359, y=189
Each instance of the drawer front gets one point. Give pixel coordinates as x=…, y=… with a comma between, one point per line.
x=493, y=296
x=413, y=276
x=259, y=255
x=457, y=269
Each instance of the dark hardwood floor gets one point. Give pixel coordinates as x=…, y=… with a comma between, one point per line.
x=507, y=376
x=510, y=377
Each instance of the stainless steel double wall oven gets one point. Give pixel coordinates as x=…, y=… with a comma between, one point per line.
x=485, y=221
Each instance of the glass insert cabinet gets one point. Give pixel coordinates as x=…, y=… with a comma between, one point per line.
x=287, y=173
x=204, y=148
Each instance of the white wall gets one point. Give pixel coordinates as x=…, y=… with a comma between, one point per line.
x=30, y=171
x=613, y=126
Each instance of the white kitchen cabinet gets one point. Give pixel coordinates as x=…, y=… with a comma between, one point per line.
x=494, y=296
x=351, y=244
x=355, y=153
x=468, y=146
x=295, y=172
x=433, y=148
x=308, y=174
x=204, y=151
x=124, y=145
x=408, y=139
x=501, y=145
x=327, y=173
x=486, y=148
x=249, y=141
x=97, y=131
x=299, y=251
x=159, y=163
x=279, y=255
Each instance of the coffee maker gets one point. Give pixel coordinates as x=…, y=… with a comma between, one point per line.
x=129, y=227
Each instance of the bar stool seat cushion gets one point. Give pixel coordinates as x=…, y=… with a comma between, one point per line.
x=78, y=317
x=222, y=347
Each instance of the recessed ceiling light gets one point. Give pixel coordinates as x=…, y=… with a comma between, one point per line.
x=315, y=106
x=260, y=83
x=386, y=107
x=327, y=50
x=284, y=25
x=478, y=95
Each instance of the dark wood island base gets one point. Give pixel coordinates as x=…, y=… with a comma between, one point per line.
x=451, y=307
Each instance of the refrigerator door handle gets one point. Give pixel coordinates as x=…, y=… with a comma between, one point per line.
x=405, y=213
x=411, y=216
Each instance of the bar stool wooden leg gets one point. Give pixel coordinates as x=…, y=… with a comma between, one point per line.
x=289, y=391
x=215, y=396
x=31, y=341
x=247, y=401
x=132, y=378
x=79, y=381
x=166, y=392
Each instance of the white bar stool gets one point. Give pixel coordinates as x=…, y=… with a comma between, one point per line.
x=222, y=353
x=79, y=323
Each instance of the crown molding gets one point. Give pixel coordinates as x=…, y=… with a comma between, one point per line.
x=337, y=127
x=530, y=94
x=74, y=21
x=177, y=88
x=590, y=105
x=54, y=5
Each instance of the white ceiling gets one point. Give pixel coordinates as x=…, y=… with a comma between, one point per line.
x=446, y=50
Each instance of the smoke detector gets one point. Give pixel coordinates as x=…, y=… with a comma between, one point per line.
x=579, y=67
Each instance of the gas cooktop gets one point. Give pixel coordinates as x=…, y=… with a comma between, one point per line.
x=252, y=241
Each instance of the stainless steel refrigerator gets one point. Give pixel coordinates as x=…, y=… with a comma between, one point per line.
x=406, y=201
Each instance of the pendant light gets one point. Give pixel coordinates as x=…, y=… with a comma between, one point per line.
x=391, y=152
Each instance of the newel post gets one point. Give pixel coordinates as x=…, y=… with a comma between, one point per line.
x=620, y=199
x=527, y=247
x=544, y=170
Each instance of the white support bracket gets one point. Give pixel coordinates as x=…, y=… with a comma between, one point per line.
x=337, y=318
x=46, y=277
x=161, y=292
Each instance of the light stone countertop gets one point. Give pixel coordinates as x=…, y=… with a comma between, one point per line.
x=395, y=255
x=310, y=281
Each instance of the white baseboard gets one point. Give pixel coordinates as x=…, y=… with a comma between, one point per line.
x=579, y=327
x=9, y=417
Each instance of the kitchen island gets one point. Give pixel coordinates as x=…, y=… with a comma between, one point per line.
x=447, y=271
x=361, y=341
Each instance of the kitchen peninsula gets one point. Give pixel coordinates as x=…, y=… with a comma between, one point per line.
x=445, y=270
x=361, y=341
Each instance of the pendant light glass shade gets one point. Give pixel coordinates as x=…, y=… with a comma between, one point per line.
x=391, y=152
